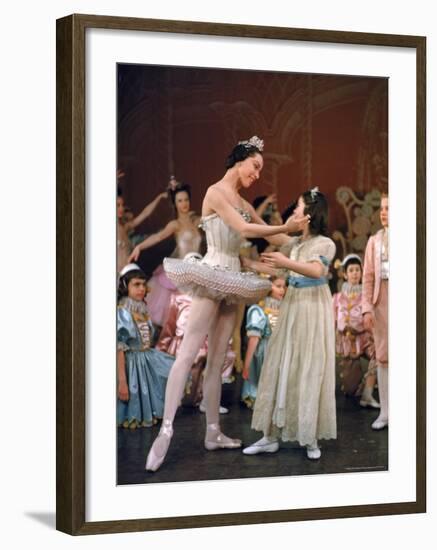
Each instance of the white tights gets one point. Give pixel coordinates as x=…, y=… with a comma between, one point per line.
x=207, y=317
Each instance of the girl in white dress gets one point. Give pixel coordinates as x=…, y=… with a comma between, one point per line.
x=296, y=391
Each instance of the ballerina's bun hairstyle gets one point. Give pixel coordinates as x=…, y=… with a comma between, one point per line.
x=178, y=189
x=316, y=206
x=244, y=149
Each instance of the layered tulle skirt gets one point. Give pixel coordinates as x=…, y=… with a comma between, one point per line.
x=197, y=278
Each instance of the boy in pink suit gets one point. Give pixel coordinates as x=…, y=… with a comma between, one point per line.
x=375, y=305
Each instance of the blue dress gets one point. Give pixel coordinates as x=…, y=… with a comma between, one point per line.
x=147, y=369
x=259, y=322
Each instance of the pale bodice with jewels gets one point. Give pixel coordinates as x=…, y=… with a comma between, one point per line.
x=187, y=240
x=217, y=275
x=223, y=242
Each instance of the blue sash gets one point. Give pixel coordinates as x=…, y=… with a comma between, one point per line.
x=305, y=282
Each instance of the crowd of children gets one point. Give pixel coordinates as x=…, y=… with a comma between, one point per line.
x=294, y=338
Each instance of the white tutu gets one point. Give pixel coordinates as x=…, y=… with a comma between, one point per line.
x=194, y=277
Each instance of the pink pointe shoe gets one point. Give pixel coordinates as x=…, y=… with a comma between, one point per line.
x=214, y=439
x=160, y=446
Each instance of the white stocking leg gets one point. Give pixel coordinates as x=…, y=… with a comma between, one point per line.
x=203, y=311
x=218, y=341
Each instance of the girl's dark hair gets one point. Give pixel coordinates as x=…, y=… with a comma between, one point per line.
x=260, y=243
x=352, y=261
x=124, y=281
x=289, y=211
x=178, y=189
x=316, y=206
x=241, y=152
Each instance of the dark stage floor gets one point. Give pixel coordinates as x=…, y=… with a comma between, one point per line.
x=357, y=447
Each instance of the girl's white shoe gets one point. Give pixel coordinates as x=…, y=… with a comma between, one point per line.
x=313, y=451
x=263, y=445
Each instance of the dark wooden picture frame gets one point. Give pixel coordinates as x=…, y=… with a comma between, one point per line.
x=71, y=253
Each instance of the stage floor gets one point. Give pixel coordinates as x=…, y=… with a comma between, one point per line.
x=357, y=447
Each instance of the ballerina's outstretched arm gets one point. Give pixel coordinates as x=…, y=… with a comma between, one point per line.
x=169, y=230
x=146, y=212
x=216, y=202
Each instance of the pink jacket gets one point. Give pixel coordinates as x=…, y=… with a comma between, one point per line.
x=372, y=272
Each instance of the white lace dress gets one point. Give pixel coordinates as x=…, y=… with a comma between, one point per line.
x=217, y=275
x=296, y=391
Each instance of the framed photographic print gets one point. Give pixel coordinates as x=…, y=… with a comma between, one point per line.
x=148, y=112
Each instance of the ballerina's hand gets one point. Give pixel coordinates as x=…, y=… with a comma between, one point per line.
x=134, y=255
x=274, y=259
x=297, y=223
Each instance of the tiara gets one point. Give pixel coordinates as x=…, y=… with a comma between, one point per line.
x=254, y=141
x=314, y=192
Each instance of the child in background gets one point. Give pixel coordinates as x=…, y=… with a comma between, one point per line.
x=260, y=321
x=375, y=305
x=142, y=371
x=352, y=340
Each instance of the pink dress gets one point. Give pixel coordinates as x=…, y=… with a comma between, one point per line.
x=352, y=341
x=173, y=332
x=161, y=288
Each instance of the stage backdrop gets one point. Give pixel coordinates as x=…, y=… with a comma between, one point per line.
x=323, y=130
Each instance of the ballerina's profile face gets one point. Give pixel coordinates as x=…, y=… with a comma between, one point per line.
x=383, y=213
x=182, y=202
x=249, y=169
x=136, y=289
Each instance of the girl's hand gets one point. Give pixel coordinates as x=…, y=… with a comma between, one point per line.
x=368, y=321
x=134, y=255
x=274, y=259
x=123, y=391
x=245, y=262
x=296, y=223
x=245, y=373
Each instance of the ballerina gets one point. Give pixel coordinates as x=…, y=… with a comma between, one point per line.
x=217, y=285
x=188, y=240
